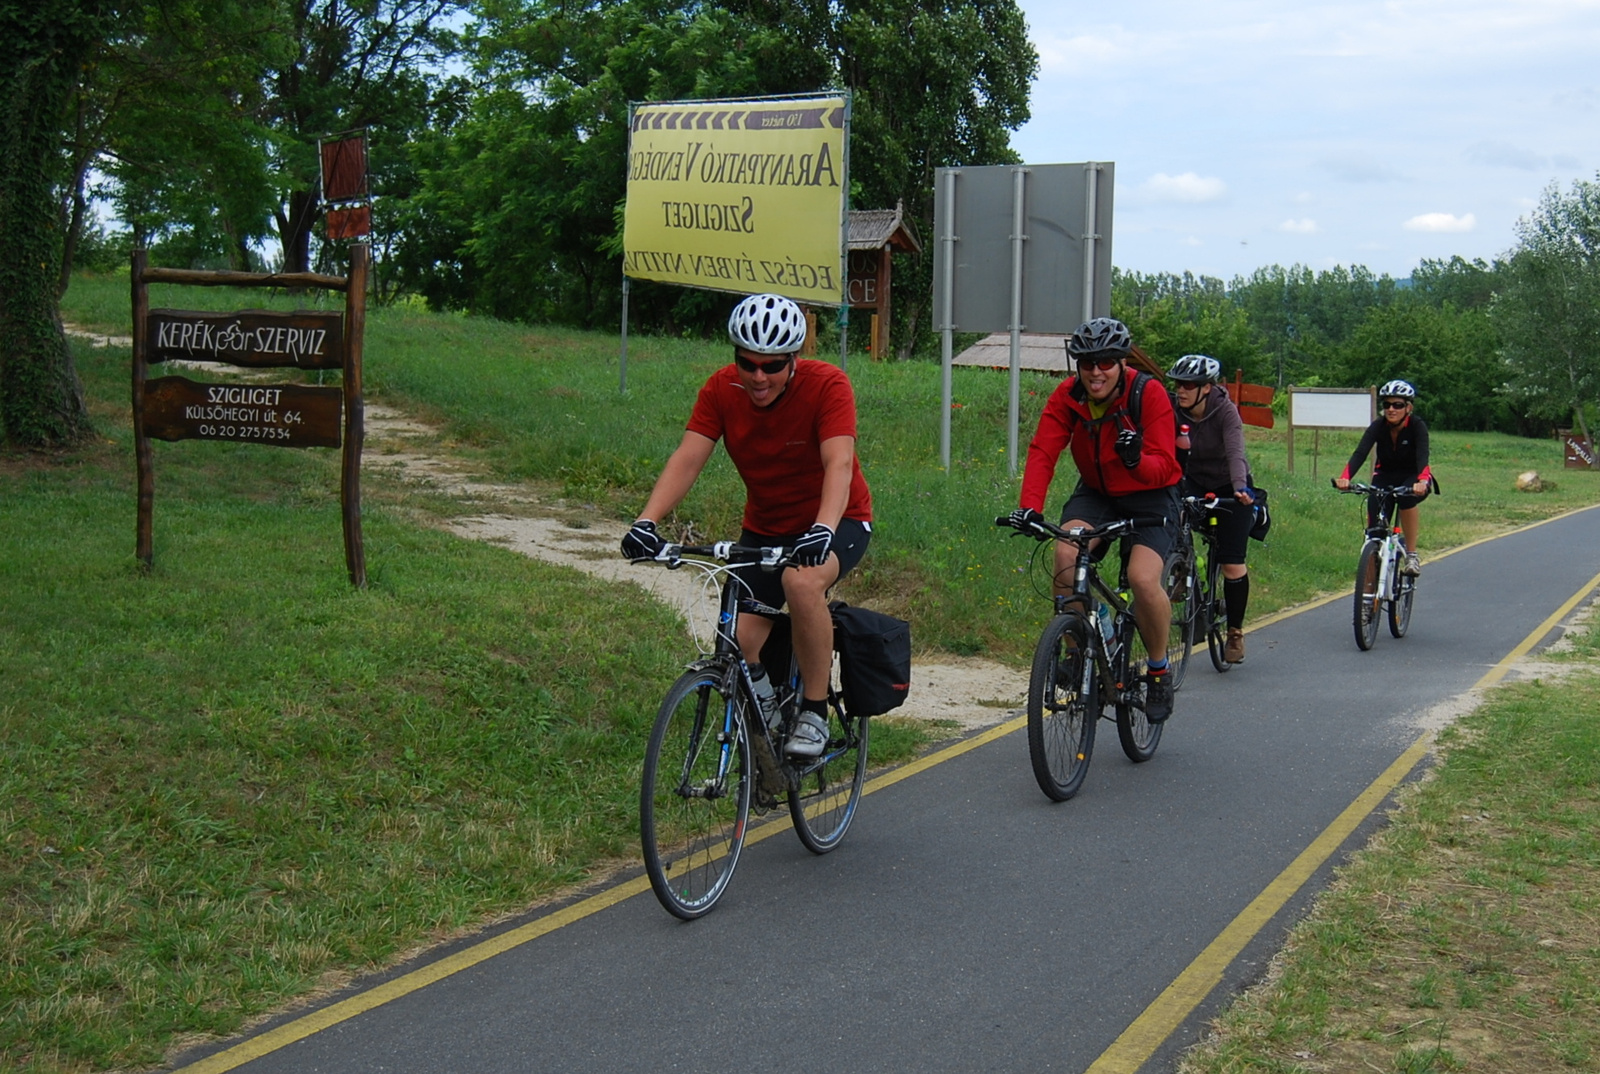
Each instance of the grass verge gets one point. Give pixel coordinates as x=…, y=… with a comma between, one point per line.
x=1466, y=936
x=234, y=778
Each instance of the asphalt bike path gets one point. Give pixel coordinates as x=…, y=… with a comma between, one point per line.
x=966, y=922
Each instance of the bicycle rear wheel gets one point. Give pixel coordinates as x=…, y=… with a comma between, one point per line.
x=694, y=801
x=1368, y=601
x=1139, y=737
x=1063, y=707
x=1216, y=615
x=1178, y=577
x=1400, y=606
x=824, y=791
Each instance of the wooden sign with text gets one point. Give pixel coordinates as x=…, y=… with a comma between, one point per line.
x=255, y=338
x=283, y=415
x=277, y=415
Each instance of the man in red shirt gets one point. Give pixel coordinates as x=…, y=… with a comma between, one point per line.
x=790, y=429
x=1126, y=469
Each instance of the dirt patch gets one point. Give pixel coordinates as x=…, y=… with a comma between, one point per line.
x=972, y=692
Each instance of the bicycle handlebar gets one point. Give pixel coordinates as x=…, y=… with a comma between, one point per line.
x=1044, y=529
x=1390, y=491
x=769, y=559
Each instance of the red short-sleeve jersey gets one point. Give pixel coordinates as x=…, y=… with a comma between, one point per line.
x=778, y=449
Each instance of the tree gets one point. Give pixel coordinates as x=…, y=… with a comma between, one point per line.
x=1450, y=355
x=1548, y=313
x=519, y=212
x=1172, y=315
x=43, y=44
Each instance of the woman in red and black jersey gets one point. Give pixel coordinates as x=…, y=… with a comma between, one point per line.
x=1401, y=439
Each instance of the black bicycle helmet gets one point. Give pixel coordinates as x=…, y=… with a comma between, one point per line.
x=1397, y=389
x=1196, y=369
x=1103, y=335
x=767, y=324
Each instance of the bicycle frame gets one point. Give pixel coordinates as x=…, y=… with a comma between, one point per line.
x=712, y=756
x=1380, y=584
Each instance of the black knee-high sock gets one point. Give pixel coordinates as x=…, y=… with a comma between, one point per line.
x=1236, y=592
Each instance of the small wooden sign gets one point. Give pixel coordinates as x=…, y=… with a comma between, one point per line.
x=283, y=415
x=1580, y=453
x=254, y=338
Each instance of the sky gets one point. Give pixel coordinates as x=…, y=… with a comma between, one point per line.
x=1249, y=132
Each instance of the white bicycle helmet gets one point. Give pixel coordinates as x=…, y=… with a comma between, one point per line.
x=1196, y=369
x=1397, y=389
x=767, y=324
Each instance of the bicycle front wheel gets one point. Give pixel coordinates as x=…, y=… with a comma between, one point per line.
x=1178, y=577
x=1400, y=606
x=1214, y=615
x=694, y=803
x=1063, y=707
x=824, y=792
x=1368, y=601
x=1139, y=737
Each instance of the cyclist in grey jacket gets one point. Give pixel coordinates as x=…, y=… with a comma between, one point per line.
x=1217, y=465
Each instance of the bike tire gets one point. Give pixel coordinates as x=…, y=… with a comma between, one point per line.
x=1368, y=609
x=1178, y=575
x=1216, y=616
x=1139, y=737
x=1400, y=605
x=1063, y=707
x=824, y=792
x=691, y=841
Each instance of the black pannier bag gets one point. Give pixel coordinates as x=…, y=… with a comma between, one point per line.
x=874, y=659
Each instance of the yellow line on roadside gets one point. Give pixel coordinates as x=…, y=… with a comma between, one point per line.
x=1151, y=1028
x=1161, y=1018
x=255, y=1047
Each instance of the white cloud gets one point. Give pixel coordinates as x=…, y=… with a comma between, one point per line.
x=1192, y=240
x=1506, y=155
x=1303, y=226
x=1081, y=52
x=1441, y=222
x=1354, y=170
x=1188, y=188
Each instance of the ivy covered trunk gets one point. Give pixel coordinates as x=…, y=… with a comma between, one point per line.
x=42, y=46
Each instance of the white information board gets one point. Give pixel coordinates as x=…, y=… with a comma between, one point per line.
x=1330, y=408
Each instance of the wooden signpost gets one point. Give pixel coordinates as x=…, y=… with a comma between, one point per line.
x=281, y=415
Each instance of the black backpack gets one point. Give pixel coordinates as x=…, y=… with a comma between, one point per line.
x=874, y=659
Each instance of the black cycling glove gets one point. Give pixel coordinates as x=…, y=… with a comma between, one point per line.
x=642, y=541
x=1026, y=519
x=1129, y=444
x=812, y=549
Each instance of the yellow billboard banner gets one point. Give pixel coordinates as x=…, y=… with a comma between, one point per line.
x=739, y=195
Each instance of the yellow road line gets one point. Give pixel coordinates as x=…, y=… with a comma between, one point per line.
x=1161, y=1018
x=262, y=1044
x=281, y=1036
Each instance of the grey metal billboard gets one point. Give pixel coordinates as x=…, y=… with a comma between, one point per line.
x=1024, y=247
x=1056, y=206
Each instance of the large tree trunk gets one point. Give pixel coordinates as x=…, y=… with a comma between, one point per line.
x=41, y=399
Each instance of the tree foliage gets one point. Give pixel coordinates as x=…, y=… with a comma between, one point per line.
x=1548, y=311
x=519, y=215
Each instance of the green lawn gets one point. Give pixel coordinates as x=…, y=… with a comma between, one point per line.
x=233, y=778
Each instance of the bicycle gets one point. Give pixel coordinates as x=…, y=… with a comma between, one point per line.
x=711, y=755
x=1197, y=595
x=1380, y=583
x=1089, y=654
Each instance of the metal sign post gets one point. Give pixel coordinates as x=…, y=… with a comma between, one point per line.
x=1053, y=222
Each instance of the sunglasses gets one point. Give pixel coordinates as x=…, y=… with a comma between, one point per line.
x=771, y=369
x=1097, y=363
x=1395, y=404
x=1184, y=385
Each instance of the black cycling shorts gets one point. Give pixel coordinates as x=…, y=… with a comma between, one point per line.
x=1096, y=508
x=1234, y=522
x=849, y=544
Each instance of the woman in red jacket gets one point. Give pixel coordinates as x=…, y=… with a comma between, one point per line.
x=1127, y=468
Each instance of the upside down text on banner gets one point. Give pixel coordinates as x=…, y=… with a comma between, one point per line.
x=742, y=196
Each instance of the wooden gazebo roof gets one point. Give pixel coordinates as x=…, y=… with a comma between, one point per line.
x=872, y=229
